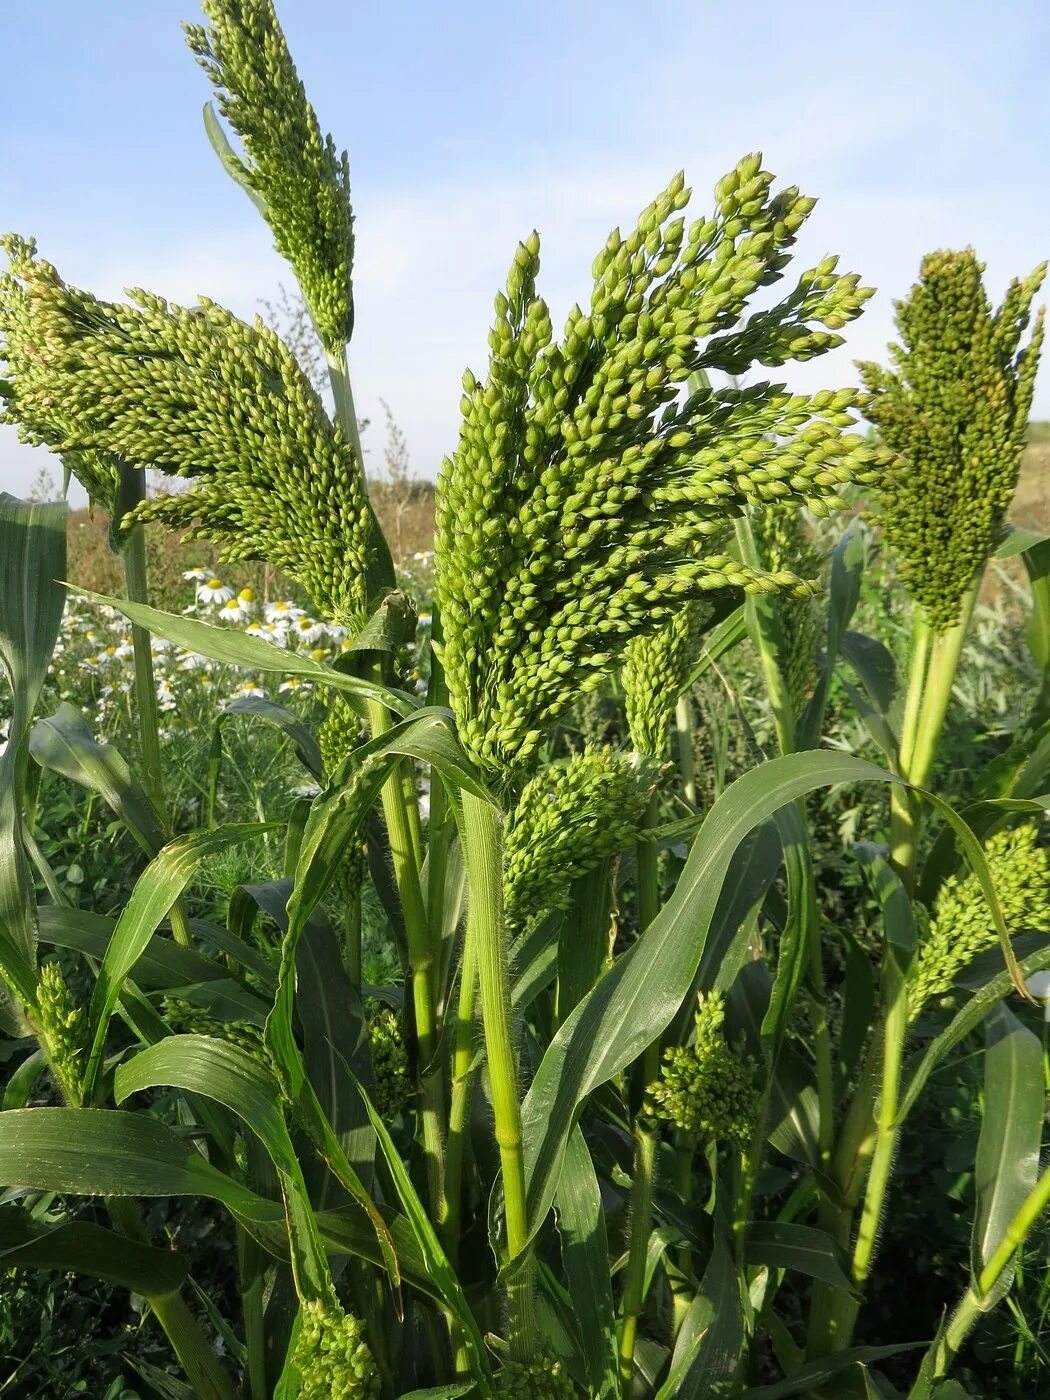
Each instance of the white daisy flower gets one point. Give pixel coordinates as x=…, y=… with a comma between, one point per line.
x=165, y=698
x=196, y=575
x=213, y=590
x=291, y=685
x=307, y=631
x=248, y=690
x=281, y=610
x=238, y=608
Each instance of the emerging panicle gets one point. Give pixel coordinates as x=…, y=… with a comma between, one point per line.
x=196, y=393
x=569, y=818
x=704, y=1088
x=65, y=1029
x=655, y=671
x=541, y=1378
x=784, y=543
x=954, y=410
x=393, y=1082
x=332, y=1356
x=960, y=924
x=590, y=497
x=301, y=180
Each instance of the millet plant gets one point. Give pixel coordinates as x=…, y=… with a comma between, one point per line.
x=621, y=1128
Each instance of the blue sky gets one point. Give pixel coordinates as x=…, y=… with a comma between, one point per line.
x=919, y=125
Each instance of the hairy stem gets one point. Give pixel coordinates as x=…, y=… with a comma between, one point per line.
x=462, y=1083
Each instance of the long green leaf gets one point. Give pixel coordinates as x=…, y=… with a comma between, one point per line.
x=200, y=1064
x=63, y=743
x=707, y=1348
x=803, y=1248
x=1007, y=1165
x=32, y=560
x=235, y=648
x=108, y=1152
x=76, y=1246
x=806, y=1380
x=156, y=890
x=585, y=1253
x=637, y=998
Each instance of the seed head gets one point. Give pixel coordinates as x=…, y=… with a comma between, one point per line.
x=64, y=1028
x=784, y=543
x=393, y=1084
x=960, y=923
x=589, y=497
x=197, y=393
x=704, y=1088
x=954, y=410
x=542, y=1378
x=304, y=185
x=656, y=668
x=332, y=1356
x=569, y=818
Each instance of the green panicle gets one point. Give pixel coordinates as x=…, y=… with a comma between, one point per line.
x=591, y=495
x=704, y=1088
x=45, y=424
x=183, y=1016
x=784, y=543
x=339, y=734
x=960, y=924
x=542, y=1378
x=393, y=1083
x=570, y=817
x=332, y=1356
x=954, y=410
x=655, y=670
x=193, y=392
x=64, y=1028
x=302, y=181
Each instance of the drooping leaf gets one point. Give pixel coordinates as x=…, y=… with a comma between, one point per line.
x=32, y=561
x=637, y=998
x=1007, y=1164
x=235, y=648
x=76, y=1246
x=63, y=743
x=156, y=890
x=585, y=1253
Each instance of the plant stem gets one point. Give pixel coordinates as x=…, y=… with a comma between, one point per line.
x=644, y=1136
x=641, y=1223
x=462, y=1083
x=935, y=660
x=207, y=1377
x=251, y=1262
x=974, y=1300
x=483, y=851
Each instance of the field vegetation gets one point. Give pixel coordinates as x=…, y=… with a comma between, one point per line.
x=578, y=926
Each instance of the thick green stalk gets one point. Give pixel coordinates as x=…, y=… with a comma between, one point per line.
x=401, y=812
x=641, y=1226
x=483, y=853
x=935, y=660
x=644, y=1135
x=765, y=633
x=462, y=1083
x=206, y=1376
x=583, y=952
